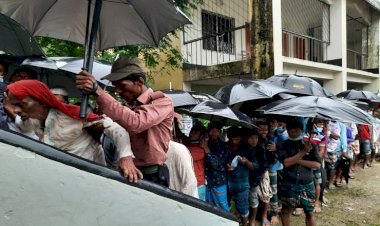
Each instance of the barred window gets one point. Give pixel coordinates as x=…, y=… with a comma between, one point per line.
x=217, y=32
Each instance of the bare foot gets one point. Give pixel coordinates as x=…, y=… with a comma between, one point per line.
x=317, y=209
x=274, y=220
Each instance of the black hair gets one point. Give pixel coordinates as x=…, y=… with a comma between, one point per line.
x=5, y=66
x=134, y=77
x=30, y=71
x=234, y=131
x=215, y=125
x=293, y=124
x=250, y=132
x=262, y=122
x=199, y=128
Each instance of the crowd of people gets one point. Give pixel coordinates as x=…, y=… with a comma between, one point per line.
x=282, y=167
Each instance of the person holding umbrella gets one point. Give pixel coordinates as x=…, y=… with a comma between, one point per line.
x=148, y=117
x=299, y=158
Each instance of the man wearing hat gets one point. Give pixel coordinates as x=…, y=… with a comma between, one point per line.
x=148, y=117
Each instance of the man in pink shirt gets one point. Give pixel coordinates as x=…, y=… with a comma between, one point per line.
x=148, y=117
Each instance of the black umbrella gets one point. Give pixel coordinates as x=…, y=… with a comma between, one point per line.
x=322, y=107
x=120, y=23
x=245, y=90
x=200, y=97
x=181, y=98
x=212, y=110
x=299, y=85
x=15, y=40
x=358, y=95
x=360, y=104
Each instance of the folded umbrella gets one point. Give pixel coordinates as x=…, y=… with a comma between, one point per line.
x=322, y=107
x=212, y=110
x=245, y=90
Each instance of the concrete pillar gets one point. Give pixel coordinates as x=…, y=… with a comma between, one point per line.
x=373, y=42
x=187, y=86
x=338, y=45
x=338, y=84
x=277, y=37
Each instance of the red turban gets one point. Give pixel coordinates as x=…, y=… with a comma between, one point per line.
x=41, y=92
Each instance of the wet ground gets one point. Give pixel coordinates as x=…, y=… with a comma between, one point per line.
x=356, y=204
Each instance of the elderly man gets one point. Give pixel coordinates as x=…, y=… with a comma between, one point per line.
x=148, y=118
x=59, y=125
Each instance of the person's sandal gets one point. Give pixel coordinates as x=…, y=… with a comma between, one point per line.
x=297, y=212
x=266, y=222
x=338, y=184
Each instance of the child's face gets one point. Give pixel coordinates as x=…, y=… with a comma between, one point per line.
x=273, y=125
x=320, y=125
x=2, y=70
x=294, y=133
x=234, y=141
x=195, y=135
x=263, y=130
x=214, y=133
x=253, y=140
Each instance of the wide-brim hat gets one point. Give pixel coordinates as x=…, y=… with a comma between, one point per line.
x=125, y=66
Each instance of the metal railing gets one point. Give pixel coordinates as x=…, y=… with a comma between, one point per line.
x=231, y=45
x=356, y=60
x=303, y=47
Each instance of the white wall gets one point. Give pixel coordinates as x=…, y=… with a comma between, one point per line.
x=337, y=17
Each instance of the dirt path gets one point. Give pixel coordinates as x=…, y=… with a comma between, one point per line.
x=358, y=204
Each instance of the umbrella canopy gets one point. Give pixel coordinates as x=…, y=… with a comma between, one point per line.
x=181, y=98
x=299, y=85
x=358, y=95
x=138, y=22
x=121, y=22
x=15, y=40
x=322, y=107
x=213, y=110
x=70, y=64
x=201, y=97
x=245, y=90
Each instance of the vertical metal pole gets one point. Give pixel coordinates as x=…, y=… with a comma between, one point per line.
x=90, y=51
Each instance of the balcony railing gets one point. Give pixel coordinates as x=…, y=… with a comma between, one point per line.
x=303, y=47
x=356, y=60
x=231, y=45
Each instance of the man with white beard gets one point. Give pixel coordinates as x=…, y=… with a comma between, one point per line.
x=59, y=125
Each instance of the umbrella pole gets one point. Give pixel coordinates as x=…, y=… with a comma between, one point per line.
x=90, y=50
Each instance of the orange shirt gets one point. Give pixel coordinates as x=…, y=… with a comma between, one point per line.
x=149, y=123
x=198, y=155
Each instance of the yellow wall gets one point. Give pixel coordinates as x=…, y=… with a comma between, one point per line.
x=163, y=78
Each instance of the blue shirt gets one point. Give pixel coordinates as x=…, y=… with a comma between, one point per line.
x=215, y=163
x=238, y=178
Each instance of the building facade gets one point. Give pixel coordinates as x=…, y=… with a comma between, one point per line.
x=335, y=42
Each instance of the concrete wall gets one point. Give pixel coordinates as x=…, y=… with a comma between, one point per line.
x=163, y=78
x=236, y=9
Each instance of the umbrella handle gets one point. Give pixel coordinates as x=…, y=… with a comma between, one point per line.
x=83, y=105
x=89, y=52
